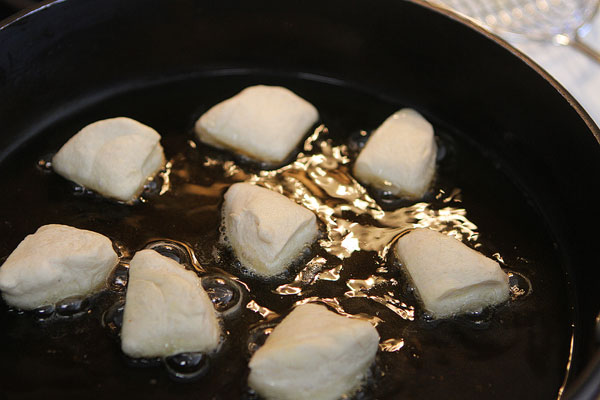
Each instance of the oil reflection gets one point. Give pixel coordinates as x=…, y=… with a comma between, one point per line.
x=391, y=345
x=320, y=179
x=263, y=311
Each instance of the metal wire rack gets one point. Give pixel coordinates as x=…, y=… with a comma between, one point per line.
x=558, y=20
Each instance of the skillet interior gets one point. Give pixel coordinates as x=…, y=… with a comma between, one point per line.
x=51, y=71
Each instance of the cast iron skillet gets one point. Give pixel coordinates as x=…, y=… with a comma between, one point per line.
x=68, y=55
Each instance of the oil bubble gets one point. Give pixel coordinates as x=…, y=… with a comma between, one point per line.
x=520, y=285
x=72, y=305
x=112, y=319
x=477, y=319
x=172, y=250
x=79, y=190
x=119, y=277
x=357, y=140
x=44, y=164
x=258, y=336
x=187, y=366
x=44, y=312
x=152, y=188
x=224, y=293
x=429, y=320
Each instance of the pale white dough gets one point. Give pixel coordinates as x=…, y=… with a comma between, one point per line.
x=399, y=157
x=264, y=123
x=313, y=354
x=167, y=310
x=266, y=230
x=450, y=277
x=113, y=157
x=56, y=262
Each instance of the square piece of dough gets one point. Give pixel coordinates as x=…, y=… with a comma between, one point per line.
x=264, y=123
x=450, y=277
x=167, y=311
x=266, y=230
x=399, y=157
x=54, y=263
x=113, y=157
x=313, y=354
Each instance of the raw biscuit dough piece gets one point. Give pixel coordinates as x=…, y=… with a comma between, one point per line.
x=54, y=263
x=113, y=157
x=266, y=230
x=450, y=277
x=399, y=157
x=264, y=123
x=313, y=354
x=167, y=310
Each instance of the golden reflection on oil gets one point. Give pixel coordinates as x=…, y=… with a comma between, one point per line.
x=305, y=277
x=335, y=304
x=359, y=287
x=391, y=345
x=498, y=258
x=263, y=311
x=166, y=178
x=332, y=274
x=320, y=179
x=323, y=183
x=401, y=309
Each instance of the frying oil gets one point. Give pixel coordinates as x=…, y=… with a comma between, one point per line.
x=516, y=350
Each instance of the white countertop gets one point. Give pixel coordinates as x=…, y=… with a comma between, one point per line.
x=579, y=74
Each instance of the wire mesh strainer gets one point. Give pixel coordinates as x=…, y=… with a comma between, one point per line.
x=558, y=20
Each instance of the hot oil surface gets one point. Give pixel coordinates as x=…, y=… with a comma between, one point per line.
x=518, y=351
